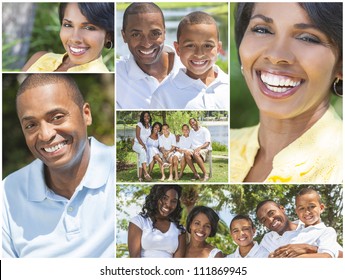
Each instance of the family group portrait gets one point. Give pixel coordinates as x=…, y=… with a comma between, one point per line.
x=229, y=221
x=172, y=146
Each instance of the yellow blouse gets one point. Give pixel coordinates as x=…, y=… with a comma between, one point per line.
x=315, y=157
x=49, y=62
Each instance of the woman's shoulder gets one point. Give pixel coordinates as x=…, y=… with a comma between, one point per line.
x=33, y=59
x=140, y=221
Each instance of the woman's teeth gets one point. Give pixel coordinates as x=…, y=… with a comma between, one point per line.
x=277, y=83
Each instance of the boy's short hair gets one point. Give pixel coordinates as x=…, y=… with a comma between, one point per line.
x=185, y=125
x=197, y=17
x=141, y=8
x=165, y=124
x=242, y=217
x=308, y=190
x=37, y=80
x=211, y=215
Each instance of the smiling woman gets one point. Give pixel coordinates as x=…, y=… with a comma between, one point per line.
x=290, y=62
x=86, y=28
x=156, y=232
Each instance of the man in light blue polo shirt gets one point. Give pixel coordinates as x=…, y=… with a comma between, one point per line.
x=62, y=204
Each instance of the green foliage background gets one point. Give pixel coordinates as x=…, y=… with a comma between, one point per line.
x=98, y=90
x=236, y=199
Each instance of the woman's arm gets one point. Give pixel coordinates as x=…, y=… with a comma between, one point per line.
x=137, y=135
x=32, y=60
x=181, y=249
x=134, y=241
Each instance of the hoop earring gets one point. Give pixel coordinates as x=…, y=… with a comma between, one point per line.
x=111, y=45
x=335, y=87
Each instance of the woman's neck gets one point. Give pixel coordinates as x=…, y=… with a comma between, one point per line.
x=277, y=134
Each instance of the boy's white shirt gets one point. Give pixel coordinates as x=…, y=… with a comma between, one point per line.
x=256, y=252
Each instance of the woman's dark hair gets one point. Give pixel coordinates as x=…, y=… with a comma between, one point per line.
x=211, y=215
x=327, y=17
x=154, y=124
x=150, y=208
x=142, y=118
x=100, y=14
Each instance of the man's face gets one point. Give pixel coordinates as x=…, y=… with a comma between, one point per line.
x=273, y=217
x=54, y=127
x=194, y=124
x=145, y=35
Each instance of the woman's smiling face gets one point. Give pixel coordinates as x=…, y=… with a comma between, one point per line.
x=82, y=40
x=289, y=65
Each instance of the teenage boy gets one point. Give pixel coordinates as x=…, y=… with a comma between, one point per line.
x=202, y=85
x=242, y=231
x=167, y=145
x=184, y=145
x=150, y=61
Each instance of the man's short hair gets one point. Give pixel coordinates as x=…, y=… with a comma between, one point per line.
x=196, y=18
x=37, y=80
x=141, y=8
x=262, y=203
x=242, y=217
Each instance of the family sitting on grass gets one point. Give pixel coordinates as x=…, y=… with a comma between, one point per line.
x=155, y=143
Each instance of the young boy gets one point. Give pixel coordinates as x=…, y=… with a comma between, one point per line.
x=167, y=145
x=311, y=230
x=202, y=85
x=242, y=231
x=184, y=145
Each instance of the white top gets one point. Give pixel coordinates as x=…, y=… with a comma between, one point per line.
x=183, y=92
x=36, y=222
x=154, y=243
x=256, y=252
x=325, y=238
x=144, y=133
x=134, y=87
x=200, y=137
x=184, y=143
x=167, y=142
x=213, y=253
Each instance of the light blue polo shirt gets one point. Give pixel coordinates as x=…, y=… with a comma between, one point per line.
x=39, y=223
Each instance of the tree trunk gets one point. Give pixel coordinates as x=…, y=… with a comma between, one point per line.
x=17, y=24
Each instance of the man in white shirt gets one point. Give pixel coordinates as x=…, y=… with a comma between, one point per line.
x=201, y=145
x=282, y=231
x=149, y=63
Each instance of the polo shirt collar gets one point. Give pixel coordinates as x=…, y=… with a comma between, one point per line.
x=95, y=177
x=182, y=80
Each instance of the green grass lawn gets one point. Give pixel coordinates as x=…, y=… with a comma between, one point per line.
x=219, y=170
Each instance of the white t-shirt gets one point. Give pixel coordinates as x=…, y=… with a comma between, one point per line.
x=167, y=142
x=134, y=87
x=200, y=137
x=256, y=252
x=185, y=143
x=183, y=92
x=144, y=132
x=213, y=253
x=154, y=243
